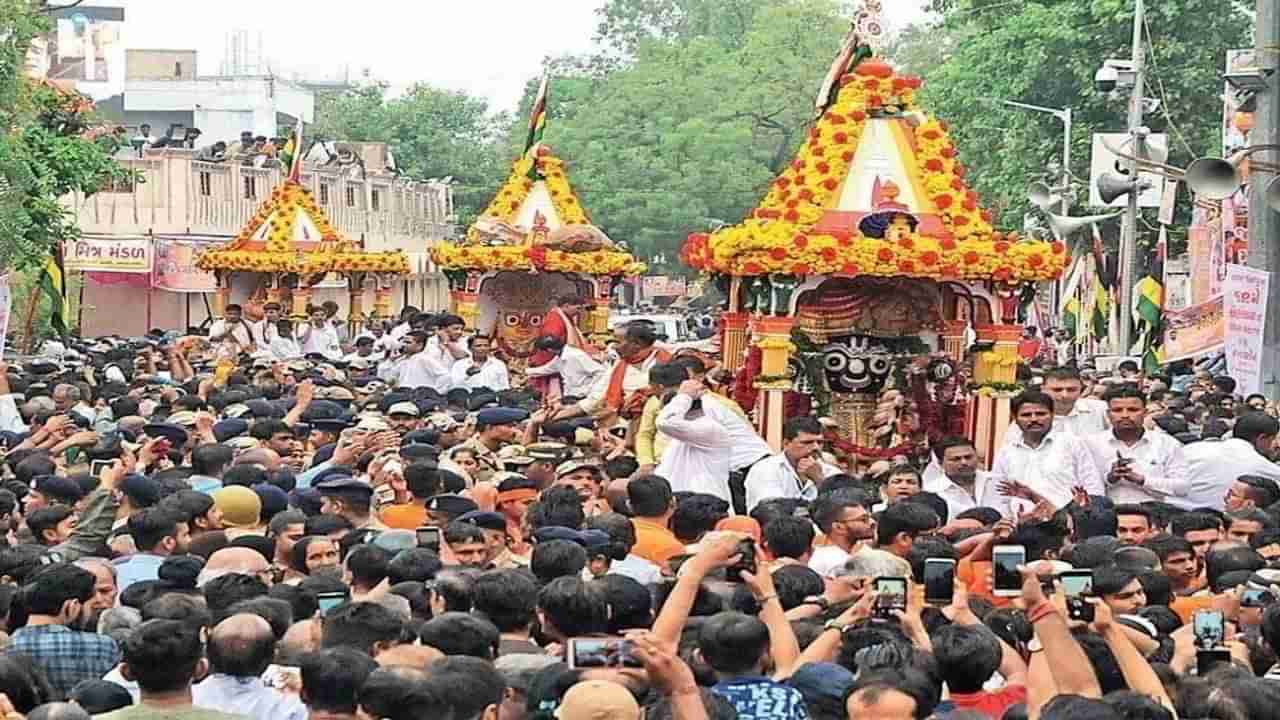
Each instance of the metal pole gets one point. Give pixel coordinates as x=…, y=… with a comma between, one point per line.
x=1129, y=238
x=1264, y=223
x=1065, y=117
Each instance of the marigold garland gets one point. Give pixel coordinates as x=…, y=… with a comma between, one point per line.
x=533, y=259
x=336, y=254
x=778, y=236
x=516, y=189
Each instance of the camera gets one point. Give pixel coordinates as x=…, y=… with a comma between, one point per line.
x=1106, y=79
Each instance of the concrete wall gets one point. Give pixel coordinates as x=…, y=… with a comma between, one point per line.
x=160, y=65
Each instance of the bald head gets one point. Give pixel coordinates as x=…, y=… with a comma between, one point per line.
x=241, y=646
x=302, y=637
x=419, y=657
x=240, y=560
x=266, y=457
x=59, y=711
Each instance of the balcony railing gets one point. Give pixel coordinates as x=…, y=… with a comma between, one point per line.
x=178, y=195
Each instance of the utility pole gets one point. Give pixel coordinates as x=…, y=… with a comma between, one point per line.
x=1129, y=236
x=1264, y=223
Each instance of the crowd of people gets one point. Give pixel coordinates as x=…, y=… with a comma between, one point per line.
x=392, y=525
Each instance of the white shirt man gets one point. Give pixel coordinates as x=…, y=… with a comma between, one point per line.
x=491, y=373
x=322, y=340
x=1214, y=466
x=233, y=328
x=1048, y=461
x=961, y=484
x=425, y=364
x=1156, y=457
x=793, y=473
x=634, y=379
x=577, y=370
x=705, y=448
x=1072, y=413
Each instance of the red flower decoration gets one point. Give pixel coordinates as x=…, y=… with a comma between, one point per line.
x=906, y=243
x=1002, y=273
x=845, y=241
x=948, y=244
x=959, y=170
x=1035, y=261
x=824, y=168
x=847, y=156
x=841, y=138
x=798, y=164
x=782, y=182
x=987, y=217
x=830, y=184
x=829, y=254
x=929, y=257
x=900, y=84
x=793, y=203
x=806, y=194
x=871, y=84
x=914, y=82
x=835, y=119
x=858, y=115
x=819, y=152
x=969, y=204
x=950, y=271
x=800, y=241
x=933, y=165
x=907, y=266
x=849, y=269
x=874, y=101
x=948, y=152
x=792, y=216
x=960, y=220
x=1002, y=247
x=885, y=255
x=778, y=254
x=800, y=269
x=752, y=268
x=1058, y=248
x=932, y=135
x=971, y=258
x=957, y=185
x=943, y=201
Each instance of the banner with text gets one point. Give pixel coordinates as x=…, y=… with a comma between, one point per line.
x=1194, y=331
x=1245, y=297
x=131, y=255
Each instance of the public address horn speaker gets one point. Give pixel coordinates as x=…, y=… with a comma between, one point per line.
x=1212, y=178
x=1114, y=185
x=1041, y=195
x=1064, y=226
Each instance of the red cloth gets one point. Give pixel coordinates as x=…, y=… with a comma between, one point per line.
x=938, y=420
x=614, y=397
x=1028, y=348
x=991, y=704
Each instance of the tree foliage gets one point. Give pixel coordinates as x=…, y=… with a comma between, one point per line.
x=433, y=133
x=1046, y=53
x=47, y=149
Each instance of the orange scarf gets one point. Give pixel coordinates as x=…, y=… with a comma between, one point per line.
x=614, y=398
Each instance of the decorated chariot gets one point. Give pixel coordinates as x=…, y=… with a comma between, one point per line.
x=533, y=246
x=868, y=253
x=289, y=247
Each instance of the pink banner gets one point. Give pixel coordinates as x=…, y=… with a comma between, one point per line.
x=175, y=268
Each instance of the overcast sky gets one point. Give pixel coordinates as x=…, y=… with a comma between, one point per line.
x=486, y=47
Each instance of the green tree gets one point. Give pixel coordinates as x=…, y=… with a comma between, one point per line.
x=707, y=103
x=47, y=150
x=433, y=133
x=1045, y=53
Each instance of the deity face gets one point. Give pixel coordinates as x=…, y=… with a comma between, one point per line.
x=517, y=331
x=855, y=373
x=899, y=228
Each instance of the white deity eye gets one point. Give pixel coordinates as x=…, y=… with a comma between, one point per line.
x=835, y=362
x=880, y=365
x=511, y=320
x=536, y=320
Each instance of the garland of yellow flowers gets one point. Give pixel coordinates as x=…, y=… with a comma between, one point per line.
x=516, y=190
x=776, y=238
x=533, y=258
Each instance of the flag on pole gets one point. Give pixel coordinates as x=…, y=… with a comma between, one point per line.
x=53, y=283
x=1100, y=319
x=538, y=116
x=1148, y=306
x=850, y=53
x=294, y=150
x=1071, y=317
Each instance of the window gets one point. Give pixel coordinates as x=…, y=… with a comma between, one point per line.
x=375, y=200
x=177, y=69
x=324, y=193
x=250, y=187
x=351, y=196
x=206, y=183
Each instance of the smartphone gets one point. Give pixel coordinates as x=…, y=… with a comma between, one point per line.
x=1210, y=659
x=939, y=580
x=386, y=494
x=601, y=653
x=330, y=600
x=1005, y=560
x=1209, y=627
x=746, y=563
x=97, y=467
x=892, y=592
x=1076, y=584
x=1257, y=598
x=429, y=537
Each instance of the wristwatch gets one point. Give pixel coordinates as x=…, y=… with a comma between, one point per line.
x=835, y=625
x=818, y=600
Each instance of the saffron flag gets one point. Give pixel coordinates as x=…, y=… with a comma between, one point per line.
x=1071, y=316
x=53, y=283
x=538, y=116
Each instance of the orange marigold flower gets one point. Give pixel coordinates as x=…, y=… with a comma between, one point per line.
x=907, y=266
x=906, y=242
x=971, y=258
x=943, y=201
x=829, y=254
x=1002, y=247
x=929, y=257
x=1058, y=248
x=800, y=241
x=948, y=244
x=1035, y=261
x=849, y=268
x=934, y=165
x=885, y=255
x=799, y=269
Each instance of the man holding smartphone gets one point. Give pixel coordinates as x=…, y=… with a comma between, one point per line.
x=1138, y=465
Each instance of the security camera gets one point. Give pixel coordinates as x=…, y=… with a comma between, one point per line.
x=1106, y=79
